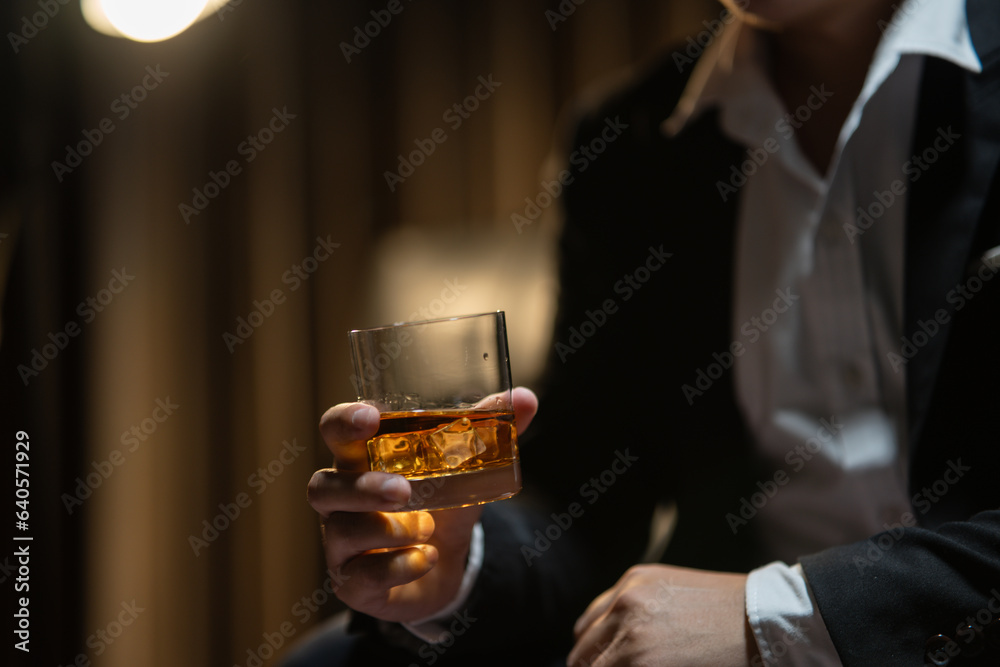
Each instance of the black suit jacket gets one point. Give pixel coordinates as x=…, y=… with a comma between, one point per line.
x=627, y=340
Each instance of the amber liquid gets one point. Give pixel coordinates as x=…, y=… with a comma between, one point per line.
x=453, y=458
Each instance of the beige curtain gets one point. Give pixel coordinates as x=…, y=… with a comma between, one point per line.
x=226, y=426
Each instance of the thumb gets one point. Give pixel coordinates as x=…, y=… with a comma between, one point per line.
x=525, y=406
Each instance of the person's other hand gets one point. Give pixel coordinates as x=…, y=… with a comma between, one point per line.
x=396, y=566
x=663, y=615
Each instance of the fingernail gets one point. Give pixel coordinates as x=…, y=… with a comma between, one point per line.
x=425, y=526
x=396, y=489
x=430, y=553
x=363, y=418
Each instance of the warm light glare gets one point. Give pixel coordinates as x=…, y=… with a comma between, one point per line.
x=143, y=20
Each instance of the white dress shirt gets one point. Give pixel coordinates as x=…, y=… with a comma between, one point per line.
x=816, y=387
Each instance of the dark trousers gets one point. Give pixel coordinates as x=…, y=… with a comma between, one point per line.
x=329, y=645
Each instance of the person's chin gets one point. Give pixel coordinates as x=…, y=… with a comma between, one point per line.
x=775, y=14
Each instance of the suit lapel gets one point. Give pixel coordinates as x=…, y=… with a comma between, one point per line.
x=947, y=197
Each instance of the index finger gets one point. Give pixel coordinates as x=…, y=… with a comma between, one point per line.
x=594, y=610
x=331, y=491
x=345, y=428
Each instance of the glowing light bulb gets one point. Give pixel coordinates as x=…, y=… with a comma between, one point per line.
x=143, y=20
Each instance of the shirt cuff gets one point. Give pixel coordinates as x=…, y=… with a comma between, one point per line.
x=785, y=621
x=432, y=629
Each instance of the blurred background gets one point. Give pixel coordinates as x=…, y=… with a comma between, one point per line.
x=188, y=229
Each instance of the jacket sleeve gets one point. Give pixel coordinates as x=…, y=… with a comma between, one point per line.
x=886, y=599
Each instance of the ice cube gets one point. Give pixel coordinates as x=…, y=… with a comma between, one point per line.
x=488, y=435
x=398, y=454
x=410, y=402
x=456, y=443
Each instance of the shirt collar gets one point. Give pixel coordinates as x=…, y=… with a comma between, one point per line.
x=733, y=68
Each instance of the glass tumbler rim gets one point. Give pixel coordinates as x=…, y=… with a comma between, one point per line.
x=395, y=325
